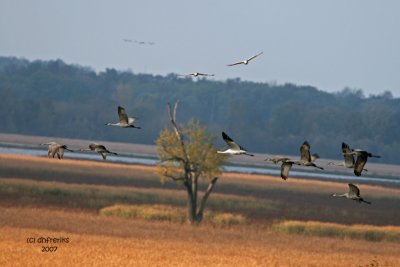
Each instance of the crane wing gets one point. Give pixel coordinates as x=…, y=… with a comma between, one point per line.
x=360, y=163
x=230, y=142
x=285, y=168
x=305, y=152
x=254, y=56
x=205, y=74
x=354, y=190
x=314, y=157
x=123, y=117
x=53, y=149
x=348, y=157
x=236, y=63
x=131, y=120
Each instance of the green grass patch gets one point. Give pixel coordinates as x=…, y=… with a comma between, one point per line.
x=169, y=213
x=363, y=232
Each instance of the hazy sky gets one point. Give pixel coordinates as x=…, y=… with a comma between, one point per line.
x=327, y=44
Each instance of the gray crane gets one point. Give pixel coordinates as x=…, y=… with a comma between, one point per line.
x=285, y=166
x=56, y=149
x=124, y=120
x=353, y=193
x=362, y=157
x=306, y=159
x=349, y=161
x=102, y=150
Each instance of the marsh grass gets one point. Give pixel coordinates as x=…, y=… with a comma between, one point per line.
x=95, y=197
x=77, y=184
x=26, y=192
x=363, y=232
x=169, y=213
x=146, y=212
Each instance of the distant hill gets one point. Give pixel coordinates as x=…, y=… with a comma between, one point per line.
x=57, y=99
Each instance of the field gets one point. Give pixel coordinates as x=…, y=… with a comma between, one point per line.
x=42, y=197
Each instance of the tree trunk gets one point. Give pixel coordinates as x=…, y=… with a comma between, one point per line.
x=191, y=205
x=199, y=216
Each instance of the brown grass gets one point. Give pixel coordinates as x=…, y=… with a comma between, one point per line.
x=365, y=232
x=305, y=185
x=100, y=241
x=28, y=183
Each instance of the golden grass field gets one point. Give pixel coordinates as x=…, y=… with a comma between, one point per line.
x=42, y=197
x=103, y=241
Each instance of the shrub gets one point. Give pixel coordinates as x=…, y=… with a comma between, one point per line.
x=168, y=213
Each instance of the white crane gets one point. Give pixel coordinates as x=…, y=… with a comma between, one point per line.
x=244, y=62
x=56, y=149
x=353, y=193
x=234, y=149
x=124, y=120
x=102, y=150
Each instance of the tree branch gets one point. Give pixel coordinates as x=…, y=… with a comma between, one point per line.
x=173, y=158
x=172, y=116
x=205, y=197
x=173, y=177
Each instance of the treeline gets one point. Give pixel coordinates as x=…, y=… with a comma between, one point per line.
x=56, y=99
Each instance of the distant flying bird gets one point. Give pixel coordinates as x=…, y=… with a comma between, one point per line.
x=102, y=150
x=234, y=149
x=195, y=74
x=124, y=120
x=362, y=157
x=306, y=159
x=246, y=61
x=354, y=194
x=138, y=42
x=56, y=149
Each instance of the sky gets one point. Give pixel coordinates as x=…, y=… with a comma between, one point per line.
x=327, y=44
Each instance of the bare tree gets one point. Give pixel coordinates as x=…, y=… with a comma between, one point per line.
x=187, y=154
